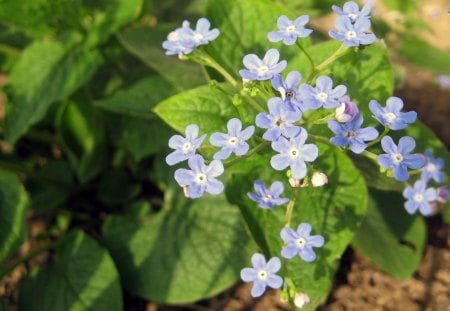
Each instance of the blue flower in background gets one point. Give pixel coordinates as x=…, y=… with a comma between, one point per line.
x=352, y=12
x=264, y=69
x=185, y=147
x=352, y=34
x=432, y=168
x=279, y=121
x=398, y=158
x=420, y=198
x=202, y=35
x=268, y=198
x=262, y=274
x=323, y=94
x=391, y=115
x=233, y=141
x=288, y=89
x=200, y=178
x=351, y=134
x=300, y=242
x=289, y=30
x=294, y=153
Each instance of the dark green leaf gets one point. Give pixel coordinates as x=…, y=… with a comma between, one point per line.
x=83, y=277
x=116, y=187
x=390, y=237
x=13, y=203
x=188, y=251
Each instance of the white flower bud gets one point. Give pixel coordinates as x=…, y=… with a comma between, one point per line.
x=301, y=300
x=295, y=183
x=319, y=179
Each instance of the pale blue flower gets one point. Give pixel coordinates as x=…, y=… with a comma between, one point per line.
x=264, y=69
x=352, y=34
x=420, y=198
x=288, y=89
x=392, y=115
x=232, y=142
x=352, y=12
x=323, y=95
x=300, y=242
x=268, y=198
x=262, y=274
x=289, y=30
x=185, y=147
x=432, y=168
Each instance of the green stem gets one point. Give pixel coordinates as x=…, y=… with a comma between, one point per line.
x=289, y=209
x=370, y=155
x=307, y=55
x=209, y=61
x=258, y=148
x=385, y=131
x=9, y=50
x=342, y=50
x=320, y=139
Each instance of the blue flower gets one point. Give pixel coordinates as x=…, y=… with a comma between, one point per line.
x=420, y=198
x=351, y=134
x=279, y=121
x=234, y=141
x=352, y=12
x=346, y=111
x=202, y=35
x=391, y=115
x=294, y=153
x=443, y=81
x=200, y=178
x=268, y=198
x=432, y=168
x=288, y=89
x=300, y=242
x=289, y=30
x=352, y=34
x=323, y=94
x=184, y=147
x=398, y=158
x=264, y=69
x=262, y=274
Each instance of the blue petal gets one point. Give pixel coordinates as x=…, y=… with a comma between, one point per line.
x=258, y=261
x=223, y=154
x=214, y=187
x=279, y=162
x=249, y=274
x=289, y=251
x=274, y=281
x=234, y=126
x=307, y=254
x=388, y=145
x=258, y=288
x=276, y=189
x=411, y=206
x=298, y=169
x=184, y=177
x=401, y=173
x=275, y=36
x=214, y=169
x=252, y=61
x=175, y=157
x=304, y=230
x=288, y=235
x=414, y=161
x=273, y=265
x=316, y=241
x=406, y=144
x=271, y=57
x=385, y=161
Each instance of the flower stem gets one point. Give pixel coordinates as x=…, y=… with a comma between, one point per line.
x=307, y=55
x=289, y=209
x=207, y=60
x=370, y=155
x=320, y=139
x=259, y=147
x=385, y=131
x=342, y=50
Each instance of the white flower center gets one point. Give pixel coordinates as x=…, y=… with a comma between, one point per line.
x=397, y=158
x=351, y=34
x=173, y=36
x=322, y=96
x=352, y=16
x=290, y=29
x=279, y=122
x=186, y=147
x=351, y=134
x=431, y=167
x=418, y=197
x=267, y=198
x=294, y=152
x=198, y=37
x=200, y=178
x=263, y=69
x=262, y=274
x=390, y=116
x=300, y=242
x=233, y=141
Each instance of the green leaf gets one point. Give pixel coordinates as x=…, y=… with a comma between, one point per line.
x=191, y=250
x=146, y=43
x=116, y=187
x=110, y=18
x=45, y=73
x=13, y=203
x=389, y=236
x=334, y=211
x=81, y=131
x=83, y=277
x=210, y=108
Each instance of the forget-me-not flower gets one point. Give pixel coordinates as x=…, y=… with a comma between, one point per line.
x=432, y=168
x=323, y=94
x=279, y=121
x=201, y=177
x=288, y=89
x=398, y=158
x=294, y=153
x=300, y=242
x=352, y=34
x=346, y=111
x=352, y=12
x=392, y=115
x=233, y=141
x=420, y=198
x=351, y=134
x=264, y=69
x=289, y=30
x=185, y=147
x=179, y=41
x=268, y=198
x=262, y=274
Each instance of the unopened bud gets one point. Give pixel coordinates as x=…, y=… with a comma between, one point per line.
x=295, y=183
x=346, y=111
x=319, y=179
x=301, y=300
x=246, y=81
x=443, y=194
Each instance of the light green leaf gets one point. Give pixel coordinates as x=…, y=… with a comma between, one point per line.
x=192, y=249
x=45, y=73
x=390, y=237
x=13, y=203
x=83, y=277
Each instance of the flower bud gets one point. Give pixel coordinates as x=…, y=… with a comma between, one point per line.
x=346, y=111
x=319, y=179
x=301, y=300
x=295, y=183
x=443, y=194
